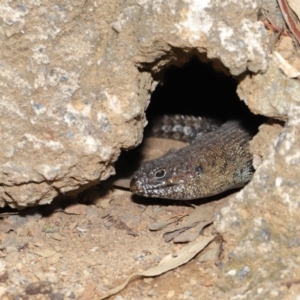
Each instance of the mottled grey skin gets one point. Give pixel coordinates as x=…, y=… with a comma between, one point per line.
x=179, y=127
x=213, y=163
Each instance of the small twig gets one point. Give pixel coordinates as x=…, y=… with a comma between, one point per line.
x=272, y=26
x=275, y=39
x=289, y=19
x=8, y=214
x=289, y=282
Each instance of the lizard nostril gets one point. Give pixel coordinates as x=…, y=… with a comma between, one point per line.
x=133, y=186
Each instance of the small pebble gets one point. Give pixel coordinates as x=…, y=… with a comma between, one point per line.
x=170, y=294
x=153, y=293
x=105, y=203
x=76, y=209
x=21, y=231
x=11, y=249
x=94, y=249
x=12, y=241
x=73, y=225
x=18, y=220
x=140, y=257
x=92, y=212
x=187, y=294
x=56, y=236
x=208, y=283
x=3, y=276
x=108, y=224
x=82, y=230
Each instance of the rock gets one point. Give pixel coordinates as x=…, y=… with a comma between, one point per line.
x=271, y=94
x=73, y=96
x=258, y=146
x=153, y=293
x=266, y=237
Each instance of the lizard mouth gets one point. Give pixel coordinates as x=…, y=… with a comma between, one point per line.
x=152, y=190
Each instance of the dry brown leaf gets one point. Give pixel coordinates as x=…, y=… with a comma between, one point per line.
x=8, y=214
x=170, y=235
x=162, y=224
x=168, y=263
x=186, y=236
x=201, y=214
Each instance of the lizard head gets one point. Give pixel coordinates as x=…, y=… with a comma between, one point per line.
x=212, y=164
x=170, y=177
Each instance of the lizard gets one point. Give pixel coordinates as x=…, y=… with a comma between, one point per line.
x=215, y=161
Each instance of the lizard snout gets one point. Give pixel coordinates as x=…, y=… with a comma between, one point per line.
x=133, y=184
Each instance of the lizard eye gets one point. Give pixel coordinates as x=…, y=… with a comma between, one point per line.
x=198, y=170
x=160, y=173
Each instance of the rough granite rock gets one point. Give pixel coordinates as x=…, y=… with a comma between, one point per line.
x=75, y=80
x=262, y=221
x=271, y=94
x=72, y=94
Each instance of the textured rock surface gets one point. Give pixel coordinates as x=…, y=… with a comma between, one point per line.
x=75, y=81
x=271, y=94
x=71, y=94
x=263, y=222
x=67, y=106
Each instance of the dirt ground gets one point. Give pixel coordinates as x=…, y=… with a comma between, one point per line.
x=81, y=247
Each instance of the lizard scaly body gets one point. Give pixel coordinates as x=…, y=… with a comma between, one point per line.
x=213, y=163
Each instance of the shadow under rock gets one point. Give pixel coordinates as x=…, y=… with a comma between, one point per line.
x=166, y=202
